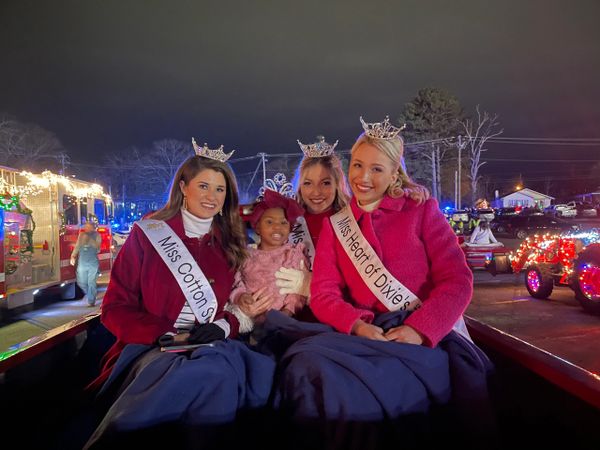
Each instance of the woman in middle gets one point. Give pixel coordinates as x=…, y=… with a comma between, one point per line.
x=322, y=190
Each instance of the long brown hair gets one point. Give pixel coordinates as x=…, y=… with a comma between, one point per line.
x=230, y=224
x=394, y=150
x=334, y=166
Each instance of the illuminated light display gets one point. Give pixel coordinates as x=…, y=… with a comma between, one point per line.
x=9, y=202
x=563, y=260
x=39, y=182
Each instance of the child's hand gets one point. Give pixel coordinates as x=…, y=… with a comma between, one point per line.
x=255, y=304
x=364, y=329
x=404, y=334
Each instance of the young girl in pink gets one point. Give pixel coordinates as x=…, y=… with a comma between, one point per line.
x=271, y=219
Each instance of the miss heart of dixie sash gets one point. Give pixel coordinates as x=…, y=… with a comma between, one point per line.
x=300, y=234
x=183, y=266
x=388, y=290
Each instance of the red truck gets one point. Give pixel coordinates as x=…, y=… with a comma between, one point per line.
x=40, y=219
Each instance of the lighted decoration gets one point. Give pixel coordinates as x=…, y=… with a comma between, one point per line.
x=37, y=183
x=9, y=202
x=62, y=230
x=278, y=184
x=589, y=280
x=553, y=249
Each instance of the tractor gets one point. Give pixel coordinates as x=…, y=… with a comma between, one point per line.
x=571, y=260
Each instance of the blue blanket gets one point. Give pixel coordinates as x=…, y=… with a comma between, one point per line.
x=329, y=375
x=208, y=386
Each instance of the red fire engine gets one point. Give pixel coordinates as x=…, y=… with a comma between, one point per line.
x=41, y=218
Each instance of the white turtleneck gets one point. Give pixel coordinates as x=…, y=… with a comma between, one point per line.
x=195, y=226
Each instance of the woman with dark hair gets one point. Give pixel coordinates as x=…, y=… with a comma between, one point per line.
x=175, y=364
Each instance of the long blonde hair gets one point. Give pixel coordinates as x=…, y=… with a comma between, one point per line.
x=394, y=150
x=334, y=166
x=230, y=224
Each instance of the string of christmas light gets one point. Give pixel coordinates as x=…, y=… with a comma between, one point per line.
x=552, y=249
x=37, y=183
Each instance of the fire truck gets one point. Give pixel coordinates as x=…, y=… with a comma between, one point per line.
x=40, y=219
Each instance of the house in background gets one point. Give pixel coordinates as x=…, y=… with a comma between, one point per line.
x=590, y=197
x=525, y=198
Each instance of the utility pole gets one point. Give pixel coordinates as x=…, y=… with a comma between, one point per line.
x=63, y=158
x=460, y=146
x=433, y=172
x=264, y=166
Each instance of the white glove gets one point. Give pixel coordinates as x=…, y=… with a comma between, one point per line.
x=293, y=281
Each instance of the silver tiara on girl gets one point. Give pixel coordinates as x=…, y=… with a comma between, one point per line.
x=381, y=130
x=318, y=149
x=216, y=154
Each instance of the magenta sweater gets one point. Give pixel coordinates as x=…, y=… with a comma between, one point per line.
x=259, y=271
x=417, y=245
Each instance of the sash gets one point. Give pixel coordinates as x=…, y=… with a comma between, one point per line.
x=388, y=290
x=183, y=266
x=299, y=234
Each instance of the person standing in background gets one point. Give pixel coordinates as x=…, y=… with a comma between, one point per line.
x=85, y=254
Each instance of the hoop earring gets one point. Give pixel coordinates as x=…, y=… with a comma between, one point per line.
x=184, y=205
x=221, y=212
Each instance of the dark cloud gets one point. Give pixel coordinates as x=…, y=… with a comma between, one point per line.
x=257, y=75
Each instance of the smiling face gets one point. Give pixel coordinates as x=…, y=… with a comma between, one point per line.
x=273, y=229
x=205, y=193
x=317, y=187
x=370, y=174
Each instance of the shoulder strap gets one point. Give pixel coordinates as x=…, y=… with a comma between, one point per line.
x=183, y=266
x=300, y=234
x=388, y=290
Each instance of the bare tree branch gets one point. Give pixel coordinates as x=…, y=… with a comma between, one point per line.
x=477, y=134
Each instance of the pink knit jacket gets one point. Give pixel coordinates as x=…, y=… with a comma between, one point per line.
x=417, y=245
x=259, y=271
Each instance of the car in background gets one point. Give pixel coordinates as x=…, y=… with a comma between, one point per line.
x=119, y=236
x=565, y=210
x=523, y=226
x=586, y=210
x=507, y=215
x=507, y=211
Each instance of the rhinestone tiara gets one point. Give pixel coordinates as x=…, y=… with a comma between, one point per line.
x=318, y=149
x=216, y=154
x=381, y=130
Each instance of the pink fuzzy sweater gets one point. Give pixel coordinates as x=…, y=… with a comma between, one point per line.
x=417, y=246
x=259, y=271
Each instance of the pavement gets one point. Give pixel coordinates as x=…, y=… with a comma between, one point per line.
x=23, y=325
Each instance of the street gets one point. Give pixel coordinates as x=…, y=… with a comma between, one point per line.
x=558, y=325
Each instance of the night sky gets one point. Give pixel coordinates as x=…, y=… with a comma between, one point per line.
x=257, y=75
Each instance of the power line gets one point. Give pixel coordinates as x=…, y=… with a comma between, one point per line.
x=545, y=139
x=544, y=160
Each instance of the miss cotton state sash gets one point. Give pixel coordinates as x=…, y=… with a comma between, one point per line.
x=300, y=234
x=388, y=290
x=183, y=266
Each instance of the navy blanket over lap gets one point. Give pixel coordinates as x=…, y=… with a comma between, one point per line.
x=330, y=375
x=205, y=387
